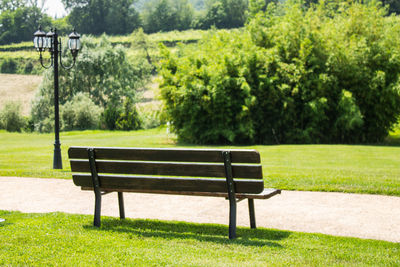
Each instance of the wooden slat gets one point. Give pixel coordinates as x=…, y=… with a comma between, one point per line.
x=166, y=154
x=124, y=183
x=169, y=169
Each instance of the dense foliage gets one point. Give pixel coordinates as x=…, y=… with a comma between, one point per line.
x=18, y=23
x=19, y=19
x=21, y=58
x=8, y=66
x=101, y=16
x=167, y=15
x=223, y=14
x=11, y=118
x=80, y=113
x=328, y=74
x=102, y=73
x=393, y=5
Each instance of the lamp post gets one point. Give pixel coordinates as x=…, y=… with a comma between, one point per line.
x=50, y=41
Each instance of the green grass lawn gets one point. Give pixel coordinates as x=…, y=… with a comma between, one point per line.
x=69, y=240
x=341, y=168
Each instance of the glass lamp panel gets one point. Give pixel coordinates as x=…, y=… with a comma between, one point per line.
x=78, y=44
x=71, y=44
x=48, y=42
x=40, y=43
x=35, y=42
x=45, y=42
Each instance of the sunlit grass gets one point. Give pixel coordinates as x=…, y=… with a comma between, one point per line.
x=340, y=168
x=31, y=154
x=71, y=240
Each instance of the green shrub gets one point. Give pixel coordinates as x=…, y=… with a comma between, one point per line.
x=29, y=126
x=129, y=118
x=8, y=66
x=151, y=115
x=46, y=125
x=11, y=118
x=80, y=113
x=205, y=95
x=28, y=67
x=110, y=116
x=123, y=118
x=329, y=74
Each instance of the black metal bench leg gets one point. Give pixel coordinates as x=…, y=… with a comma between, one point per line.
x=96, y=187
x=231, y=193
x=121, y=205
x=232, y=219
x=97, y=209
x=252, y=214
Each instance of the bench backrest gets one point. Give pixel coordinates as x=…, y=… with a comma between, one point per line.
x=164, y=169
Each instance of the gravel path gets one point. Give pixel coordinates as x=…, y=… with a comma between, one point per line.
x=363, y=216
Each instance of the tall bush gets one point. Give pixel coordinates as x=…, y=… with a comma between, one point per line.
x=128, y=118
x=205, y=93
x=327, y=74
x=11, y=118
x=80, y=113
x=8, y=66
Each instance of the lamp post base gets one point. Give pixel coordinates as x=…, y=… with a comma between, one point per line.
x=57, y=161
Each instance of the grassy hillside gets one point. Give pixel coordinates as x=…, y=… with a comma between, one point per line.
x=20, y=88
x=24, y=54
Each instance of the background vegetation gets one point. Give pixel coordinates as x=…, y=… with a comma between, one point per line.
x=104, y=80
x=21, y=58
x=327, y=74
x=299, y=72
x=19, y=18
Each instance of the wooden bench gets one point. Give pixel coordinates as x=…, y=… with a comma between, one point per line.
x=233, y=174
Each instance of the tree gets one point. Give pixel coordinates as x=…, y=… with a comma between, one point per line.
x=394, y=6
x=224, y=14
x=19, y=22
x=142, y=43
x=122, y=18
x=158, y=16
x=184, y=12
x=11, y=5
x=102, y=16
x=167, y=15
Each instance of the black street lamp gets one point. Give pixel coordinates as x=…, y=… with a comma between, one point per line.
x=53, y=44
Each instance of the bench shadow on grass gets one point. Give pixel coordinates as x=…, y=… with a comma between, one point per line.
x=201, y=232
